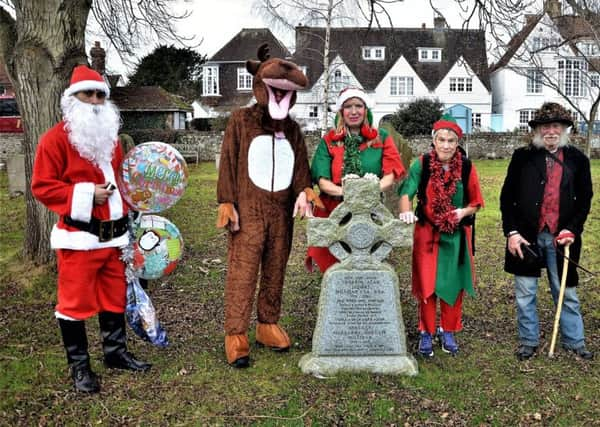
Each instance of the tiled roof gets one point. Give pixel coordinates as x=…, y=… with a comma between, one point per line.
x=147, y=98
x=244, y=45
x=347, y=42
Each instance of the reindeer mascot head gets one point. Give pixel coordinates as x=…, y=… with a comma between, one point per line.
x=264, y=179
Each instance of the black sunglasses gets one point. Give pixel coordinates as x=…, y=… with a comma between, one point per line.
x=100, y=94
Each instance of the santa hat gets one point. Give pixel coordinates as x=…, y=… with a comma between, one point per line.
x=351, y=92
x=84, y=78
x=448, y=122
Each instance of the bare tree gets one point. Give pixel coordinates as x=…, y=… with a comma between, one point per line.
x=287, y=14
x=40, y=43
x=568, y=65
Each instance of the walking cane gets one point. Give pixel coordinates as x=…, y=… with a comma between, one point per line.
x=561, y=295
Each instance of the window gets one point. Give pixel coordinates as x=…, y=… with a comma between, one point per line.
x=339, y=81
x=595, y=80
x=313, y=111
x=210, y=80
x=401, y=86
x=476, y=120
x=570, y=76
x=534, y=81
x=545, y=43
x=373, y=53
x=461, y=84
x=589, y=48
x=524, y=117
x=244, y=79
x=430, y=54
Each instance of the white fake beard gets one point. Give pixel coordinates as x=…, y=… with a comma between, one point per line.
x=538, y=140
x=92, y=129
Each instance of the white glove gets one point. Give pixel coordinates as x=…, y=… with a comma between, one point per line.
x=408, y=217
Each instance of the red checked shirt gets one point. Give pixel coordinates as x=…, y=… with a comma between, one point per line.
x=550, y=204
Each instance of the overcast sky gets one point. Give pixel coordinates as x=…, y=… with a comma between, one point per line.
x=215, y=22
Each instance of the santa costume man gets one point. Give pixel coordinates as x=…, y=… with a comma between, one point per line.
x=73, y=175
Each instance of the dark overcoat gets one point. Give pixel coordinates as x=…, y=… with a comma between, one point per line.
x=521, y=202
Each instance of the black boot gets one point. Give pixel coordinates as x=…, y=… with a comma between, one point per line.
x=76, y=346
x=114, y=343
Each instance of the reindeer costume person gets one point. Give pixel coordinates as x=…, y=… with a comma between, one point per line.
x=263, y=170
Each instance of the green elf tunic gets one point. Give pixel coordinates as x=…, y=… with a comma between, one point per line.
x=380, y=158
x=436, y=264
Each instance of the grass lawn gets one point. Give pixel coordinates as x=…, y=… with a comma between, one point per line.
x=190, y=383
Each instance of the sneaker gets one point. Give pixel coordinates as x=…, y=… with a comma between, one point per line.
x=447, y=342
x=582, y=352
x=426, y=345
x=525, y=352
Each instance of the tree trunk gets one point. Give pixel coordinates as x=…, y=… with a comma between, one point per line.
x=327, y=74
x=47, y=40
x=590, y=128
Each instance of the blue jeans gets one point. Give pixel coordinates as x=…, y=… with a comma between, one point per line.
x=571, y=322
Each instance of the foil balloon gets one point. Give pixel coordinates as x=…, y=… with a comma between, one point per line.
x=153, y=177
x=157, y=247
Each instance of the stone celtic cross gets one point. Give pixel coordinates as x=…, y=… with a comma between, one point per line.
x=359, y=325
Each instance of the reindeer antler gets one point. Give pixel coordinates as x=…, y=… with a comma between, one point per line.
x=263, y=52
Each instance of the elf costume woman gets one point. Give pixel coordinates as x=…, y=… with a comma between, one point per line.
x=448, y=193
x=353, y=147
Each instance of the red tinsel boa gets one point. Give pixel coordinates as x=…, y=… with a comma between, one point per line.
x=443, y=185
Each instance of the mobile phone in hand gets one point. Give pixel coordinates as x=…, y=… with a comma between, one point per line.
x=110, y=186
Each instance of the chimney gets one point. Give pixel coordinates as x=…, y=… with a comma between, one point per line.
x=439, y=23
x=553, y=8
x=98, y=55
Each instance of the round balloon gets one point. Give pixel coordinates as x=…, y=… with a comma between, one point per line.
x=157, y=247
x=153, y=177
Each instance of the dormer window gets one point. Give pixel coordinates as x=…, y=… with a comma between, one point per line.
x=373, y=53
x=244, y=79
x=430, y=54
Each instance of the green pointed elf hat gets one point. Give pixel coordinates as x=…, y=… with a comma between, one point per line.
x=448, y=122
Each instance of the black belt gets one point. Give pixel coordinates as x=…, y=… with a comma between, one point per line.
x=329, y=196
x=105, y=230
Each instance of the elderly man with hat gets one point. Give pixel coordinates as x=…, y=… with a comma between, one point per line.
x=74, y=173
x=545, y=201
x=447, y=189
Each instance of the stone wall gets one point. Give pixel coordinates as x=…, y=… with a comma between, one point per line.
x=10, y=143
x=479, y=146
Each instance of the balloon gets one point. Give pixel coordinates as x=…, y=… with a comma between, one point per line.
x=153, y=177
x=157, y=248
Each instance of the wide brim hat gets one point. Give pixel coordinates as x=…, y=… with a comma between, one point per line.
x=85, y=78
x=551, y=112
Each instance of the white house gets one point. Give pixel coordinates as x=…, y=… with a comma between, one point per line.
x=396, y=66
x=554, y=57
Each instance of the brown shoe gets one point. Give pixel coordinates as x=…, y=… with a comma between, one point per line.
x=237, y=350
x=273, y=336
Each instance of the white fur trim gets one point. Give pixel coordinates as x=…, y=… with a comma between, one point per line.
x=87, y=85
x=352, y=93
x=59, y=315
x=115, y=203
x=61, y=238
x=83, y=201
x=263, y=172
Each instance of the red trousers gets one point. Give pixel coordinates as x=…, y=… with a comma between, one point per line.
x=450, y=315
x=90, y=282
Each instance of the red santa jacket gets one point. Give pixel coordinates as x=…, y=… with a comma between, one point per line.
x=64, y=182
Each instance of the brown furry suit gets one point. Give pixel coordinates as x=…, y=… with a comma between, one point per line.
x=263, y=168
